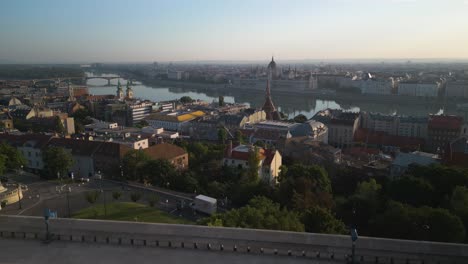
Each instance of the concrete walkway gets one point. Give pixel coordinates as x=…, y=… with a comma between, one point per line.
x=34, y=251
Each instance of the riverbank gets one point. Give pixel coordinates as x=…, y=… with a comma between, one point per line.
x=318, y=94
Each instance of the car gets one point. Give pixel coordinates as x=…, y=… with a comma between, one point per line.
x=83, y=179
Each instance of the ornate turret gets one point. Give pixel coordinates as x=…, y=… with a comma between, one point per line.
x=120, y=93
x=129, y=91
x=268, y=106
x=272, y=70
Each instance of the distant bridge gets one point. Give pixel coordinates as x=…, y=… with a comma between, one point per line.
x=60, y=80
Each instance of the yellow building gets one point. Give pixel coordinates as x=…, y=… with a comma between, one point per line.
x=172, y=120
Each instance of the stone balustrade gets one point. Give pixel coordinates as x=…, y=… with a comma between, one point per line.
x=243, y=241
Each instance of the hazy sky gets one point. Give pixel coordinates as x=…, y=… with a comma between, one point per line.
x=38, y=31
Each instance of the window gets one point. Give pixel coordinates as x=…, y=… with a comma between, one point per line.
x=29, y=153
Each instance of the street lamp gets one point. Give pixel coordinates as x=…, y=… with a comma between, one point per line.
x=19, y=196
x=99, y=176
x=68, y=201
x=354, y=237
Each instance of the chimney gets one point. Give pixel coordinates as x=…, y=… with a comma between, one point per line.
x=229, y=149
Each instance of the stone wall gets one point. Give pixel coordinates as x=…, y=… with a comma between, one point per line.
x=243, y=241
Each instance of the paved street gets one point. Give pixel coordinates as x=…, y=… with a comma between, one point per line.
x=34, y=251
x=55, y=195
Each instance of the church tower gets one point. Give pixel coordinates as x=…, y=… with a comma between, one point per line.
x=120, y=93
x=268, y=106
x=129, y=91
x=71, y=94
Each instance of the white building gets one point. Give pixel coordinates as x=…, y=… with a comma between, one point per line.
x=372, y=86
x=175, y=75
x=456, y=89
x=412, y=127
x=269, y=161
x=138, y=111
x=418, y=89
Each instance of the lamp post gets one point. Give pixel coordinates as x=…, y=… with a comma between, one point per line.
x=99, y=176
x=68, y=201
x=19, y=196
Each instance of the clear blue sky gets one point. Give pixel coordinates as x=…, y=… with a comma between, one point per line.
x=37, y=31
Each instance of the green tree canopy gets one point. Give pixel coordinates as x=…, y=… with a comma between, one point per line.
x=131, y=162
x=13, y=158
x=303, y=187
x=260, y=213
x=57, y=160
x=3, y=160
x=412, y=190
x=444, y=178
x=222, y=135
x=321, y=220
x=158, y=172
x=459, y=205
x=186, y=99
x=422, y=223
x=58, y=126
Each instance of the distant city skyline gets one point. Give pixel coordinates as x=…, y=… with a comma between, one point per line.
x=53, y=31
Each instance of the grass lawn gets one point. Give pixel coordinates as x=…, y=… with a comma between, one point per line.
x=127, y=211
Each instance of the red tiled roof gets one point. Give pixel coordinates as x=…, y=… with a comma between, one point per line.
x=381, y=138
x=445, y=122
x=18, y=140
x=164, y=151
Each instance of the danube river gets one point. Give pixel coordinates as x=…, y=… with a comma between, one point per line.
x=291, y=105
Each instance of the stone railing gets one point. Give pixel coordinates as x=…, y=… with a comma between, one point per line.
x=243, y=241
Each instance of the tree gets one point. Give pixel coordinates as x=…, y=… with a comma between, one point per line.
x=412, y=190
x=3, y=159
x=92, y=196
x=321, y=220
x=186, y=99
x=444, y=178
x=142, y=123
x=300, y=118
x=153, y=199
x=221, y=100
x=158, y=172
x=13, y=158
x=253, y=163
x=131, y=162
x=260, y=144
x=303, y=187
x=135, y=196
x=261, y=213
x=368, y=190
x=239, y=137
x=422, y=223
x=459, y=205
x=116, y=195
x=222, y=135
x=58, y=126
x=57, y=160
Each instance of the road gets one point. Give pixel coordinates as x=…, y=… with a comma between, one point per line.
x=66, y=198
x=34, y=251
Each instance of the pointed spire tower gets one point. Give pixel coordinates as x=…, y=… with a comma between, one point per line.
x=268, y=106
x=120, y=93
x=129, y=91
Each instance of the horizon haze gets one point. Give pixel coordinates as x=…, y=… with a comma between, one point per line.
x=53, y=31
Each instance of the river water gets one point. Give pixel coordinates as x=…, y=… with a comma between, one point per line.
x=291, y=105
